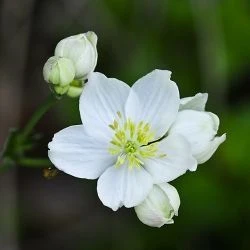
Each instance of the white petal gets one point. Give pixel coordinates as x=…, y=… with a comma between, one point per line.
x=120, y=186
x=86, y=61
x=133, y=107
x=177, y=161
x=157, y=210
x=173, y=196
x=158, y=101
x=197, y=102
x=100, y=101
x=81, y=49
x=199, y=128
x=210, y=149
x=78, y=154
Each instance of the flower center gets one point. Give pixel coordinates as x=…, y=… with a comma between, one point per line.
x=130, y=142
x=130, y=147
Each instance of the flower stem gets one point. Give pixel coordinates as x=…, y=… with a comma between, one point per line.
x=18, y=141
x=44, y=107
x=34, y=162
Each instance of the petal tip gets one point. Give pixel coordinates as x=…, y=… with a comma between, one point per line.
x=165, y=71
x=224, y=137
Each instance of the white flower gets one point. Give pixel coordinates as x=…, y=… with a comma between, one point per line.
x=119, y=140
x=160, y=206
x=58, y=71
x=198, y=127
x=81, y=50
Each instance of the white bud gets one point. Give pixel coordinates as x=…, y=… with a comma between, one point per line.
x=58, y=71
x=160, y=206
x=81, y=50
x=75, y=88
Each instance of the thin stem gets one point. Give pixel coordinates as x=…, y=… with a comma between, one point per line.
x=17, y=141
x=34, y=162
x=44, y=107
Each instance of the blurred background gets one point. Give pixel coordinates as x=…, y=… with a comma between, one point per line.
x=205, y=43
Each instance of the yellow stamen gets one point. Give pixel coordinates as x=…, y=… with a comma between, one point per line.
x=130, y=142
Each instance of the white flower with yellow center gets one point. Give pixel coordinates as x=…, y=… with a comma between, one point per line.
x=125, y=139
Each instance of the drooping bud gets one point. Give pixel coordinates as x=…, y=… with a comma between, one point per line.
x=160, y=206
x=81, y=50
x=59, y=71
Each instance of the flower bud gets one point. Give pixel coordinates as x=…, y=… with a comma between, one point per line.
x=61, y=90
x=59, y=71
x=81, y=50
x=75, y=88
x=160, y=206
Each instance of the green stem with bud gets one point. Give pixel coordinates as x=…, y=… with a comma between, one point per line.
x=49, y=102
x=18, y=141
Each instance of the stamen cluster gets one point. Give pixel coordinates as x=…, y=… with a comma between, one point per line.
x=131, y=141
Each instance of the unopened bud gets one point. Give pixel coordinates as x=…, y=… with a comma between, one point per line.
x=81, y=50
x=75, y=88
x=59, y=71
x=160, y=206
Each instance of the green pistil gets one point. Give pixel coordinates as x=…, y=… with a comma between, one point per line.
x=130, y=142
x=130, y=147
